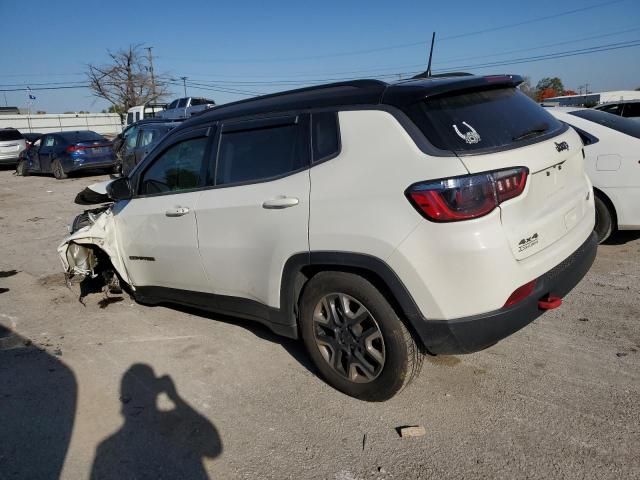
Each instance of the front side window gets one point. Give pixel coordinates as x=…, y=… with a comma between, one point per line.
x=130, y=137
x=178, y=168
x=173, y=104
x=481, y=120
x=49, y=141
x=325, y=135
x=254, y=155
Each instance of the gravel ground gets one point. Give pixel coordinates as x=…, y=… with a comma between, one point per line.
x=92, y=389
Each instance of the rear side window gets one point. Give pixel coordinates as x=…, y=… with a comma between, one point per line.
x=183, y=102
x=476, y=121
x=325, y=135
x=146, y=137
x=178, y=168
x=173, y=104
x=258, y=154
x=614, y=109
x=10, y=134
x=129, y=118
x=631, y=110
x=615, y=122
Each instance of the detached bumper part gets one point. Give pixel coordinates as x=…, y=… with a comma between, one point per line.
x=471, y=334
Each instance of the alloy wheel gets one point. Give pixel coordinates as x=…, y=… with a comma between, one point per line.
x=349, y=338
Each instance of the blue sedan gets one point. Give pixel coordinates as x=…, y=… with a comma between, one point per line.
x=62, y=153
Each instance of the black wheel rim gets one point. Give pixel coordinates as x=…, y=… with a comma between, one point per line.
x=349, y=338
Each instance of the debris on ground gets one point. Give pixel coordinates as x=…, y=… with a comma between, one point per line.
x=411, y=431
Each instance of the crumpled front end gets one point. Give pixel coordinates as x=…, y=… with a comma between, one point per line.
x=92, y=239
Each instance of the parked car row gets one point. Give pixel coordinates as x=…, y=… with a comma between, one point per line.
x=62, y=153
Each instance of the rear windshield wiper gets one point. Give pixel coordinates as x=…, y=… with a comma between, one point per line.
x=532, y=132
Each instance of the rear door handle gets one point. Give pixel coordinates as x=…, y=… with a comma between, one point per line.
x=177, y=211
x=280, y=202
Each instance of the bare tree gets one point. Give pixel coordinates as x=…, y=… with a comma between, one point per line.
x=126, y=81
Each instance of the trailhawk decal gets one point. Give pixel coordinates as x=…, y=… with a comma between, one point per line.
x=562, y=146
x=528, y=242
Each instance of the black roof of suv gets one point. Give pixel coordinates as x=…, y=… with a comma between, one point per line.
x=357, y=92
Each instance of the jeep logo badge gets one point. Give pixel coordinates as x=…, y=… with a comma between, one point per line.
x=560, y=147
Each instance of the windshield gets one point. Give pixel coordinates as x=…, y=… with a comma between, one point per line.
x=615, y=122
x=481, y=120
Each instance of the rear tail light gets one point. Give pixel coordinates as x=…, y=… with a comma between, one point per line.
x=521, y=293
x=467, y=197
x=75, y=148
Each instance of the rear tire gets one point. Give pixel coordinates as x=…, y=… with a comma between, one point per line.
x=58, y=171
x=355, y=338
x=21, y=168
x=604, y=220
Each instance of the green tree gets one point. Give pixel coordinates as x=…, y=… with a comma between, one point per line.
x=553, y=83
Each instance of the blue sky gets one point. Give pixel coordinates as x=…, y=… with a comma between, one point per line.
x=228, y=44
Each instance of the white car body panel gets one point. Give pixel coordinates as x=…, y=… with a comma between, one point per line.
x=244, y=246
x=613, y=165
x=161, y=249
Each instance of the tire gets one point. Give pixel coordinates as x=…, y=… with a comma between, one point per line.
x=391, y=353
x=21, y=168
x=604, y=220
x=58, y=171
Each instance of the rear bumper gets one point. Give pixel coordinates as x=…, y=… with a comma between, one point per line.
x=474, y=333
x=9, y=160
x=76, y=166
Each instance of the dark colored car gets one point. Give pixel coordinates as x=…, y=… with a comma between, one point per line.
x=62, y=153
x=31, y=138
x=138, y=139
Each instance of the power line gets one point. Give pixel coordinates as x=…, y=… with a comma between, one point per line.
x=411, y=44
x=382, y=71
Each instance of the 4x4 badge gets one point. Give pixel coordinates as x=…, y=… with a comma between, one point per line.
x=471, y=136
x=528, y=242
x=561, y=146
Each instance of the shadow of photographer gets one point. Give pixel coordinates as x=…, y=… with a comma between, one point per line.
x=155, y=442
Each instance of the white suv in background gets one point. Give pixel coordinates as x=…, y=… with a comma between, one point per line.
x=12, y=144
x=375, y=221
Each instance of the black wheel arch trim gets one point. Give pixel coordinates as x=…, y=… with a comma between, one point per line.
x=296, y=269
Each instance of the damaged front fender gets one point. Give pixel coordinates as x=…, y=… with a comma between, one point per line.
x=78, y=251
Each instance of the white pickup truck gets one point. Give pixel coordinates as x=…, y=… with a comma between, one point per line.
x=185, y=107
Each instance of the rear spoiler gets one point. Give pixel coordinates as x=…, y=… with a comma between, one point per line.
x=411, y=91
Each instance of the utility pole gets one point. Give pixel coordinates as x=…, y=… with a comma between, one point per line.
x=153, y=80
x=184, y=84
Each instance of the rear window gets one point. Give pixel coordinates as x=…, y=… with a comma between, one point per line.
x=615, y=122
x=88, y=136
x=10, y=134
x=482, y=120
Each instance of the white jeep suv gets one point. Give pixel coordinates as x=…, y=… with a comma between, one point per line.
x=375, y=221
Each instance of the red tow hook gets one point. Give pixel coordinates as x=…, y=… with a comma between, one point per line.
x=549, y=303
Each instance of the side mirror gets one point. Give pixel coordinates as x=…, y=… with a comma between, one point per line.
x=120, y=189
